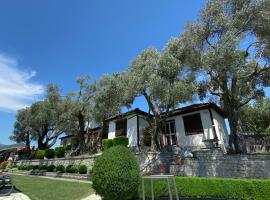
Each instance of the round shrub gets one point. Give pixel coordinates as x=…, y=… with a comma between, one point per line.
x=72, y=169
x=40, y=154
x=29, y=167
x=116, y=174
x=121, y=140
x=50, y=168
x=60, y=168
x=35, y=167
x=59, y=152
x=49, y=153
x=42, y=167
x=106, y=144
x=82, y=169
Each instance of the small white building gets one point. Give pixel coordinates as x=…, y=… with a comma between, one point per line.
x=191, y=127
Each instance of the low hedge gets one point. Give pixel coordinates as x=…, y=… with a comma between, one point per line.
x=50, y=168
x=82, y=169
x=40, y=154
x=121, y=140
x=106, y=144
x=213, y=188
x=60, y=152
x=73, y=169
x=49, y=153
x=60, y=168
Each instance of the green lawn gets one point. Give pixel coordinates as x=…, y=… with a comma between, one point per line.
x=43, y=189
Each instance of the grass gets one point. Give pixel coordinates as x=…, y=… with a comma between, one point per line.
x=215, y=187
x=43, y=189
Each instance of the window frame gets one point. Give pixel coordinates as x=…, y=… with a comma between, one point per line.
x=170, y=134
x=200, y=131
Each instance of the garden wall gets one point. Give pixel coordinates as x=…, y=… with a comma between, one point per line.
x=215, y=164
x=208, y=163
x=85, y=160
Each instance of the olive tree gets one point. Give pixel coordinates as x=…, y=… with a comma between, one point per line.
x=228, y=45
x=163, y=81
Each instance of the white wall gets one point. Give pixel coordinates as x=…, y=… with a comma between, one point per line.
x=132, y=131
x=221, y=128
x=184, y=140
x=111, y=133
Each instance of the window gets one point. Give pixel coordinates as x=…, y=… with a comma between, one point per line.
x=121, y=128
x=170, y=133
x=193, y=124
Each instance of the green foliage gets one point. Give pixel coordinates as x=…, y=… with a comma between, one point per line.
x=68, y=147
x=35, y=167
x=49, y=153
x=50, y=168
x=42, y=167
x=3, y=165
x=255, y=118
x=106, y=144
x=60, y=168
x=82, y=169
x=59, y=152
x=245, y=189
x=121, y=140
x=40, y=154
x=116, y=174
x=29, y=167
x=72, y=169
x=11, y=166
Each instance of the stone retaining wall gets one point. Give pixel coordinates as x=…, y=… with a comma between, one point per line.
x=86, y=160
x=215, y=164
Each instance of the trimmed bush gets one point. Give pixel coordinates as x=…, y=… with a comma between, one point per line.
x=60, y=168
x=82, y=169
x=121, y=140
x=116, y=174
x=42, y=167
x=35, y=167
x=72, y=169
x=106, y=144
x=68, y=147
x=50, y=168
x=49, y=153
x=40, y=154
x=59, y=152
x=29, y=167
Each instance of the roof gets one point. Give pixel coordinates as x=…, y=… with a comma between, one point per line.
x=131, y=112
x=197, y=107
x=11, y=147
x=69, y=136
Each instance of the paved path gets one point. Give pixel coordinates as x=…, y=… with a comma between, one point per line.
x=92, y=197
x=15, y=196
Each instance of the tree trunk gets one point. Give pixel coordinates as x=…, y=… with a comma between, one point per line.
x=234, y=138
x=41, y=144
x=82, y=145
x=27, y=141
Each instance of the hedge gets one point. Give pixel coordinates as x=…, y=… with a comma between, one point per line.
x=214, y=188
x=49, y=153
x=73, y=169
x=121, y=140
x=40, y=154
x=59, y=152
x=106, y=144
x=82, y=169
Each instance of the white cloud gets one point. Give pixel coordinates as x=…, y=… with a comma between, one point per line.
x=16, y=89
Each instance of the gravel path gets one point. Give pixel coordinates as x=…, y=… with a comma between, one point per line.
x=92, y=197
x=15, y=196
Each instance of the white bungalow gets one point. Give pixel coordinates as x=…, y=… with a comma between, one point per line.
x=191, y=127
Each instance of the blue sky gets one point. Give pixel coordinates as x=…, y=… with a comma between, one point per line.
x=52, y=41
